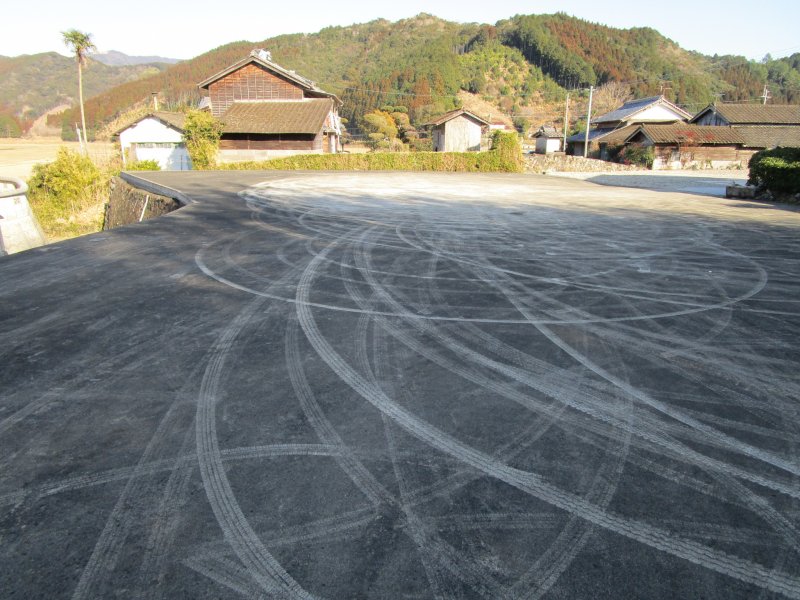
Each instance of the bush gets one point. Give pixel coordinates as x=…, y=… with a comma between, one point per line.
x=143, y=165
x=201, y=132
x=634, y=154
x=68, y=194
x=504, y=157
x=777, y=170
x=69, y=177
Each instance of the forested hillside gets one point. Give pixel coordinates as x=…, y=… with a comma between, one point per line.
x=518, y=64
x=30, y=85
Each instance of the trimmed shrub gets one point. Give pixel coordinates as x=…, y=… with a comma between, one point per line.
x=777, y=170
x=504, y=157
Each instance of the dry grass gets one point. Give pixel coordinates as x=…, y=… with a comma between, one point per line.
x=17, y=156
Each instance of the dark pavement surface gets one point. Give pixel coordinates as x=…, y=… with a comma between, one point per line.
x=406, y=386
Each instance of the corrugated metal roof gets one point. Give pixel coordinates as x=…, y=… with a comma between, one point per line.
x=455, y=113
x=628, y=110
x=756, y=114
x=299, y=116
x=770, y=136
x=687, y=134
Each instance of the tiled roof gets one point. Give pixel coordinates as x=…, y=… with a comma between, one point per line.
x=299, y=116
x=685, y=133
x=547, y=131
x=455, y=113
x=756, y=114
x=632, y=107
x=609, y=136
x=770, y=136
x=175, y=120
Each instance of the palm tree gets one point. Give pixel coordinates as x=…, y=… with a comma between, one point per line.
x=81, y=44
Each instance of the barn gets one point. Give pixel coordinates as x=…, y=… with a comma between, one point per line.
x=458, y=131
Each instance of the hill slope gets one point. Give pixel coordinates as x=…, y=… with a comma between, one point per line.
x=32, y=84
x=423, y=62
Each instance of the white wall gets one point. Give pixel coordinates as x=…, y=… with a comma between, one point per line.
x=150, y=139
x=656, y=113
x=547, y=145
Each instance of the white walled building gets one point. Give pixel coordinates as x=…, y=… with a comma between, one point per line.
x=157, y=136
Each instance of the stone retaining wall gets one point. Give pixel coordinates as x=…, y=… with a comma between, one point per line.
x=542, y=163
x=130, y=205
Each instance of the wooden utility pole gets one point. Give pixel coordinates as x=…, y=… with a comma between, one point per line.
x=588, y=123
x=566, y=124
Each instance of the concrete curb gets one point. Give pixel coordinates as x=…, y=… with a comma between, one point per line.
x=156, y=188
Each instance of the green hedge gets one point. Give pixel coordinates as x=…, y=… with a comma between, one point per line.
x=777, y=170
x=504, y=157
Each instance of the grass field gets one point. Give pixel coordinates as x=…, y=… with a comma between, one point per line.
x=17, y=156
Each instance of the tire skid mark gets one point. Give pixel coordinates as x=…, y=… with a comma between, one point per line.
x=564, y=392
x=347, y=460
x=123, y=516
x=269, y=574
x=556, y=559
x=435, y=554
x=731, y=566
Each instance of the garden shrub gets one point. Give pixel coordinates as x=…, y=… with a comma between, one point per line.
x=777, y=170
x=143, y=165
x=635, y=154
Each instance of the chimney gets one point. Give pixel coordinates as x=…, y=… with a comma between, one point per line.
x=262, y=54
x=155, y=101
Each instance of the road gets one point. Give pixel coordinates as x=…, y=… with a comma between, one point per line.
x=405, y=386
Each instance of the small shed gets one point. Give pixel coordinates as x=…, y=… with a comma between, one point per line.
x=156, y=136
x=548, y=140
x=458, y=131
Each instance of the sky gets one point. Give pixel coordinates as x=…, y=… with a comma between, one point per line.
x=183, y=30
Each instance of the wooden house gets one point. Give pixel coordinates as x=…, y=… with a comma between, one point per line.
x=458, y=131
x=156, y=136
x=610, y=130
x=268, y=111
x=760, y=125
x=682, y=145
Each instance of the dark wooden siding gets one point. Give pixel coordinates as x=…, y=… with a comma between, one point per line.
x=731, y=153
x=251, y=82
x=256, y=141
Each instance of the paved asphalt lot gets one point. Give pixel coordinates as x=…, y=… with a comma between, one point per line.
x=406, y=386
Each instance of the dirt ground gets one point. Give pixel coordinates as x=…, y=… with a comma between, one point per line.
x=18, y=156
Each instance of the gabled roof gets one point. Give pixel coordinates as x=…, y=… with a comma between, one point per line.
x=770, y=136
x=292, y=116
x=264, y=59
x=448, y=116
x=685, y=133
x=630, y=109
x=175, y=120
x=548, y=132
x=754, y=114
